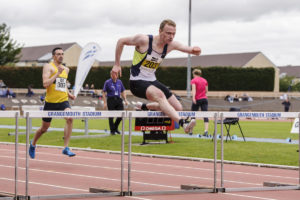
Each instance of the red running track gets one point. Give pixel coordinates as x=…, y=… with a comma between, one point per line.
x=52, y=173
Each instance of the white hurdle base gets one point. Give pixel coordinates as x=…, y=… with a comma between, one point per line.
x=275, y=188
x=89, y=136
x=20, y=133
x=275, y=184
x=195, y=187
x=102, y=190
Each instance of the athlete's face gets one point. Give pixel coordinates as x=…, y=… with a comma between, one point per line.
x=58, y=57
x=167, y=34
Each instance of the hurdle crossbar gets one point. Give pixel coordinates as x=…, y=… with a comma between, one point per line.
x=74, y=114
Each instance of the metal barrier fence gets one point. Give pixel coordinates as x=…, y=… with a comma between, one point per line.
x=130, y=115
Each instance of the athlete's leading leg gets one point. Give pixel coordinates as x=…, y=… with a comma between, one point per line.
x=67, y=135
x=40, y=132
x=68, y=131
x=175, y=103
x=152, y=106
x=168, y=107
x=160, y=101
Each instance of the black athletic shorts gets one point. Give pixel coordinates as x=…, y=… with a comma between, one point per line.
x=203, y=104
x=139, y=87
x=55, y=106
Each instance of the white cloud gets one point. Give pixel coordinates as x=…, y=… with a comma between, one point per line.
x=241, y=10
x=218, y=26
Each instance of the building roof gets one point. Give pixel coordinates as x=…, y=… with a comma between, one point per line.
x=232, y=59
x=41, y=53
x=290, y=70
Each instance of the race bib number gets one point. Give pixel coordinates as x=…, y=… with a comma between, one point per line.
x=61, y=84
x=150, y=64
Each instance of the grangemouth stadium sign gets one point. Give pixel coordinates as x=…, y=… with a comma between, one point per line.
x=73, y=114
x=258, y=115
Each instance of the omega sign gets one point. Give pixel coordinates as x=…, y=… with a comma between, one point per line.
x=153, y=128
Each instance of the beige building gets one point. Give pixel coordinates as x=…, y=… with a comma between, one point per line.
x=252, y=59
x=39, y=55
x=292, y=71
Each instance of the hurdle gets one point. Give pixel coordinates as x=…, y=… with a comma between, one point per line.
x=16, y=115
x=215, y=188
x=73, y=114
x=184, y=114
x=151, y=114
x=266, y=185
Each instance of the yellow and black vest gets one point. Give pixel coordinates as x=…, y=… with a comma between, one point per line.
x=57, y=91
x=145, y=64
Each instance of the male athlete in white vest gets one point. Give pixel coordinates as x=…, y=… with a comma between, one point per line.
x=149, y=53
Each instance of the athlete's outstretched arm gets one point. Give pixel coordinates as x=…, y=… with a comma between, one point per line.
x=191, y=50
x=136, y=41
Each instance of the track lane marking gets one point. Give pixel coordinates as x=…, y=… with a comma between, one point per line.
x=44, y=184
x=177, y=166
x=139, y=171
x=248, y=196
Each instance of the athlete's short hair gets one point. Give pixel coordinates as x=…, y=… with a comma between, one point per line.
x=197, y=72
x=168, y=22
x=56, y=48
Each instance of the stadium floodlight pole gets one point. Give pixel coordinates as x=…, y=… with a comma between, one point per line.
x=189, y=55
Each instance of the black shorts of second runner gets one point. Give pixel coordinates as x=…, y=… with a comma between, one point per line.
x=55, y=106
x=139, y=87
x=203, y=104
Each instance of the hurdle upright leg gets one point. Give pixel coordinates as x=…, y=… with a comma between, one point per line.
x=222, y=152
x=129, y=152
x=27, y=153
x=16, y=154
x=215, y=153
x=122, y=155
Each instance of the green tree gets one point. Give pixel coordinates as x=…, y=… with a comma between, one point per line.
x=285, y=83
x=9, y=49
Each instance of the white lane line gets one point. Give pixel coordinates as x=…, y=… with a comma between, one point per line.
x=143, y=172
x=251, y=197
x=181, y=167
x=47, y=185
x=93, y=177
x=140, y=198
